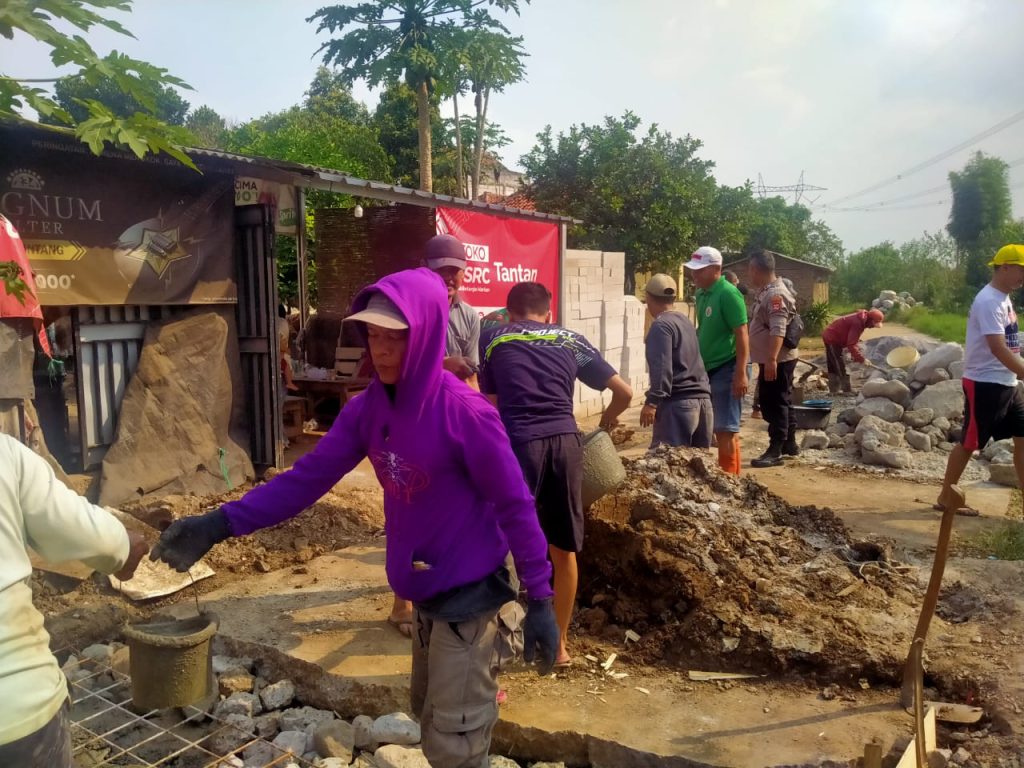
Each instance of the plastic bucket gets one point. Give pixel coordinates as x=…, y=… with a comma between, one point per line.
x=902, y=357
x=171, y=662
x=602, y=468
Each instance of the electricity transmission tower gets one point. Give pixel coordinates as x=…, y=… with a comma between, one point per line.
x=797, y=189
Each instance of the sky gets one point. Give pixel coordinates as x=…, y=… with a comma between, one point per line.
x=849, y=93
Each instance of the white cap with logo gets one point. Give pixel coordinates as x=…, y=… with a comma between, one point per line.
x=705, y=256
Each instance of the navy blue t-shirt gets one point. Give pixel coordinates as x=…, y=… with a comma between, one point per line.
x=532, y=368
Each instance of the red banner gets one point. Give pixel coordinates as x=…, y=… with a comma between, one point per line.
x=501, y=252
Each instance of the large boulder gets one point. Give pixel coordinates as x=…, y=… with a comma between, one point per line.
x=919, y=441
x=893, y=390
x=1004, y=474
x=814, y=440
x=888, y=296
x=937, y=375
x=995, y=447
x=872, y=429
x=173, y=430
x=939, y=358
x=876, y=349
x=919, y=418
x=880, y=407
x=946, y=399
x=885, y=456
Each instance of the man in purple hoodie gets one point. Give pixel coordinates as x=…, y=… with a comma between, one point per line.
x=455, y=504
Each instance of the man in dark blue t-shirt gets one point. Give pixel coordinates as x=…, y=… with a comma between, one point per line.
x=529, y=369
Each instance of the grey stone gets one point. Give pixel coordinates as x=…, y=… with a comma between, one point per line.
x=936, y=434
x=941, y=357
x=885, y=456
x=916, y=387
x=880, y=407
x=331, y=762
x=961, y=756
x=995, y=447
x=1003, y=457
x=919, y=441
x=237, y=704
x=291, y=741
x=1004, y=474
x=814, y=440
x=396, y=728
x=946, y=399
x=955, y=433
x=278, y=695
x=942, y=423
x=497, y=761
x=918, y=418
x=939, y=758
x=362, y=728
x=839, y=428
x=300, y=718
x=268, y=725
x=937, y=375
x=896, y=391
x=850, y=445
x=364, y=761
x=222, y=664
x=334, y=739
x=235, y=681
x=888, y=296
x=872, y=429
x=849, y=417
x=887, y=305
x=956, y=370
x=547, y=765
x=876, y=303
x=397, y=756
x=260, y=754
x=835, y=441
x=99, y=653
x=235, y=731
x=945, y=447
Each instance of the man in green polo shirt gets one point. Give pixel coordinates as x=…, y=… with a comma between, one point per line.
x=724, y=347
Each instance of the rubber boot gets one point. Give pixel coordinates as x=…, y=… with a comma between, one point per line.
x=847, y=387
x=770, y=458
x=729, y=463
x=790, y=449
x=835, y=383
x=737, y=462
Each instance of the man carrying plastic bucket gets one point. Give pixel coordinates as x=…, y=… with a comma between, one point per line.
x=529, y=370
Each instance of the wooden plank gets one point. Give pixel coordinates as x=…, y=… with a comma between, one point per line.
x=873, y=755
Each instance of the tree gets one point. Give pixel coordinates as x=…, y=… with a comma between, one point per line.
x=482, y=61
x=980, y=213
x=642, y=192
x=74, y=93
x=207, y=127
x=391, y=41
x=330, y=94
x=140, y=132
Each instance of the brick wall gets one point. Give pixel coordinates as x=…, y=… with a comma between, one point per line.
x=611, y=321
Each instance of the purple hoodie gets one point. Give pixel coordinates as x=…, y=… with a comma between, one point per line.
x=454, y=494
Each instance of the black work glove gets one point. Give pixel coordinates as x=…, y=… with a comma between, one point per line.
x=185, y=541
x=541, y=634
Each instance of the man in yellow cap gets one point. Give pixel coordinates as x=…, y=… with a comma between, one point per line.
x=993, y=405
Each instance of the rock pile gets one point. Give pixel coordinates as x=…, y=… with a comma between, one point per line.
x=716, y=573
x=899, y=412
x=889, y=301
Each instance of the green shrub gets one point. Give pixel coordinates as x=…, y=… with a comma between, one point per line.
x=816, y=317
x=944, y=326
x=1005, y=542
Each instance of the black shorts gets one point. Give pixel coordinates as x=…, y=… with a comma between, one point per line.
x=553, y=469
x=991, y=412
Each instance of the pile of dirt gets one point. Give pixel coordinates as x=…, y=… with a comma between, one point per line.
x=340, y=519
x=717, y=573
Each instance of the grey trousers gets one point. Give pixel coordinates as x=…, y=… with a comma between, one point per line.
x=686, y=423
x=49, y=747
x=455, y=683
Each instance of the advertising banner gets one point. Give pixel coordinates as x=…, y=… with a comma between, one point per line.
x=500, y=252
x=115, y=230
x=280, y=198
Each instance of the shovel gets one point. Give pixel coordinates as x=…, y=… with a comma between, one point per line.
x=951, y=499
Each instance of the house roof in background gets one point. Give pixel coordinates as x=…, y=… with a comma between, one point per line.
x=784, y=257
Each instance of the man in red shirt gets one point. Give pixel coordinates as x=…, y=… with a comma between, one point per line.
x=845, y=333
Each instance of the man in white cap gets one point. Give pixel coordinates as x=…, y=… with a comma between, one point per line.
x=678, y=404
x=724, y=348
x=446, y=256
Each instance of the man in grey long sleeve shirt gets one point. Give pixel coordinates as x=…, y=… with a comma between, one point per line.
x=678, y=403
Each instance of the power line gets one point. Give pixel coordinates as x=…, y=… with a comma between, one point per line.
x=991, y=131
x=797, y=189
x=901, y=198
x=929, y=204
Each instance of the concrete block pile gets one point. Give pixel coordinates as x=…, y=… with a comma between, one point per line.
x=597, y=307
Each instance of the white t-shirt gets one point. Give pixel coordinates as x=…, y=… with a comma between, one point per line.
x=991, y=314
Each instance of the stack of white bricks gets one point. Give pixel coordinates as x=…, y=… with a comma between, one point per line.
x=613, y=322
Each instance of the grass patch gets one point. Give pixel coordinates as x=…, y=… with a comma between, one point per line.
x=840, y=308
x=945, y=326
x=1005, y=542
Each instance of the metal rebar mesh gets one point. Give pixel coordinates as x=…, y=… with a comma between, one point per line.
x=106, y=731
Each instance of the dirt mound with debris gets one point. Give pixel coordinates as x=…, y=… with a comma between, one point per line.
x=717, y=573
x=340, y=519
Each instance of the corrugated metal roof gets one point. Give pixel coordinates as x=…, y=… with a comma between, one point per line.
x=328, y=179
x=337, y=181
x=777, y=255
